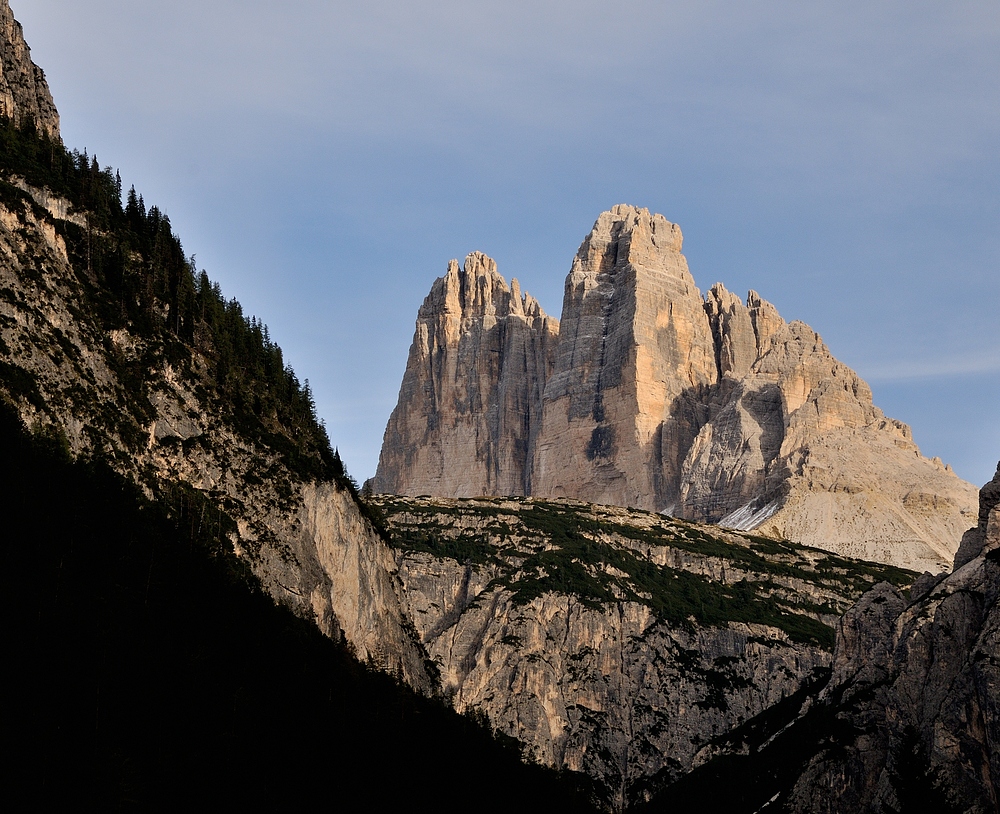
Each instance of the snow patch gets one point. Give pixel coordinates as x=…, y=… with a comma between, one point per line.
x=747, y=518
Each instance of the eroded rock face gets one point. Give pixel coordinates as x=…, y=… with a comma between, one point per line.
x=611, y=693
x=909, y=720
x=307, y=542
x=916, y=683
x=24, y=93
x=568, y=625
x=653, y=396
x=469, y=408
x=635, y=359
x=797, y=449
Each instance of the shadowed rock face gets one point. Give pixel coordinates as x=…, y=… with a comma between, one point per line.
x=909, y=720
x=24, y=93
x=916, y=682
x=648, y=394
x=63, y=366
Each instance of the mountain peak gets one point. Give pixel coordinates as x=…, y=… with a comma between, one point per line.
x=648, y=394
x=628, y=234
x=471, y=393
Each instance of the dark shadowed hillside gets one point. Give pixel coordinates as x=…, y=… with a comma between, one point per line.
x=147, y=671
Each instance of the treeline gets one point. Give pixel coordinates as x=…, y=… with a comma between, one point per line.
x=145, y=283
x=44, y=162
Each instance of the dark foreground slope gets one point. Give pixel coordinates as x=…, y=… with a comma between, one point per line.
x=173, y=484
x=171, y=563
x=146, y=671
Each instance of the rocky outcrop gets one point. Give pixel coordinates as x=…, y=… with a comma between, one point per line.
x=916, y=683
x=909, y=720
x=614, y=642
x=113, y=394
x=24, y=93
x=655, y=397
x=635, y=361
x=795, y=448
x=469, y=408
x=985, y=535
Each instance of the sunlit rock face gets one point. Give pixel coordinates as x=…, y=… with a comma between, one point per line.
x=649, y=394
x=469, y=408
x=635, y=360
x=795, y=448
x=24, y=93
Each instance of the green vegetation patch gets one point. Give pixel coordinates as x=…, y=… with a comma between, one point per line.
x=579, y=565
x=538, y=547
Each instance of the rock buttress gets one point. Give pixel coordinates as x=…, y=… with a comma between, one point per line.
x=24, y=93
x=636, y=359
x=469, y=407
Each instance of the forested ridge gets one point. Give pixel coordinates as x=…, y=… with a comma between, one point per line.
x=142, y=281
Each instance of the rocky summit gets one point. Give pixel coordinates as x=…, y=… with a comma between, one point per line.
x=648, y=394
x=474, y=379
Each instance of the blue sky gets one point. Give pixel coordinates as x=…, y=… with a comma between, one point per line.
x=325, y=160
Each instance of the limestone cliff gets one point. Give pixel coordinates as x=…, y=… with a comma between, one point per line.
x=624, y=644
x=796, y=449
x=705, y=407
x=635, y=359
x=24, y=93
x=614, y=642
x=149, y=405
x=469, y=408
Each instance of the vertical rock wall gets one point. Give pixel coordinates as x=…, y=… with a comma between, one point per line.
x=24, y=93
x=469, y=407
x=635, y=350
x=307, y=542
x=649, y=395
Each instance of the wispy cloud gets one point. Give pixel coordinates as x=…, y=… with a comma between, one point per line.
x=937, y=368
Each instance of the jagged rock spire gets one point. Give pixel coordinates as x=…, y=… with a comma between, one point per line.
x=470, y=403
x=647, y=394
